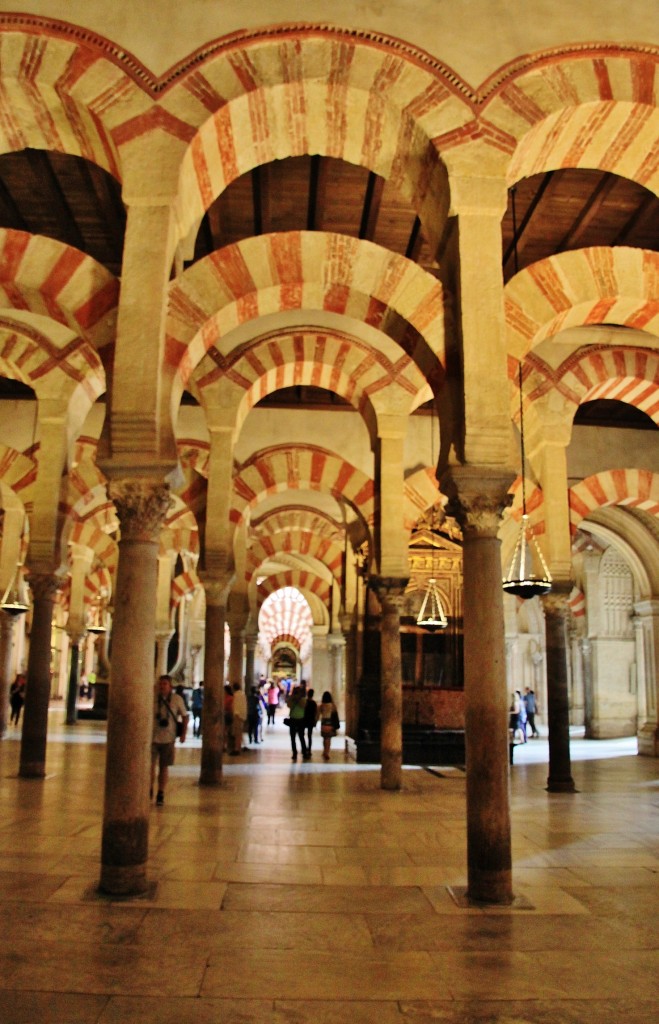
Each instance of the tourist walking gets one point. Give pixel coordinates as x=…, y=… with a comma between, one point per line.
x=168, y=710
x=296, y=703
x=328, y=717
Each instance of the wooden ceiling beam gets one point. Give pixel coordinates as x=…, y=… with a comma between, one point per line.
x=590, y=210
x=630, y=225
x=261, y=198
x=10, y=214
x=371, y=210
x=415, y=241
x=68, y=229
x=517, y=242
x=111, y=208
x=317, y=193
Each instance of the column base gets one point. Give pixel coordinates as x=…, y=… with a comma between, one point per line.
x=123, y=881
x=391, y=772
x=648, y=741
x=561, y=786
x=490, y=888
x=32, y=770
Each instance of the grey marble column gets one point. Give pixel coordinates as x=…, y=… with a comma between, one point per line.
x=6, y=638
x=141, y=507
x=251, y=640
x=390, y=591
x=477, y=499
x=586, y=649
x=74, y=672
x=212, y=718
x=44, y=587
x=560, y=778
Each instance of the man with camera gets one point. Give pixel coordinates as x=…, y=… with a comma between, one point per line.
x=170, y=719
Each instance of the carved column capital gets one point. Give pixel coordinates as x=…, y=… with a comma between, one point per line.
x=555, y=602
x=44, y=585
x=216, y=588
x=389, y=590
x=141, y=507
x=477, y=497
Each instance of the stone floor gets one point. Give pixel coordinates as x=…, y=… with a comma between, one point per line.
x=303, y=893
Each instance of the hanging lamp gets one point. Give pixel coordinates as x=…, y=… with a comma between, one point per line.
x=527, y=554
x=14, y=600
x=521, y=579
x=431, y=614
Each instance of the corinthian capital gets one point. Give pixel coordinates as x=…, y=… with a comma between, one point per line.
x=44, y=585
x=477, y=497
x=141, y=507
x=389, y=590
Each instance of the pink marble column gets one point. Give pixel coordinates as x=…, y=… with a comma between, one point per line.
x=478, y=497
x=141, y=507
x=44, y=587
x=6, y=638
x=212, y=718
x=555, y=605
x=390, y=591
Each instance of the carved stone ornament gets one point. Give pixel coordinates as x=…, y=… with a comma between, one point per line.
x=477, y=498
x=141, y=507
x=556, y=602
x=216, y=588
x=44, y=585
x=389, y=590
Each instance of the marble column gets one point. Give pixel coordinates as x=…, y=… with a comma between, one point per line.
x=236, y=647
x=141, y=505
x=74, y=672
x=555, y=605
x=6, y=643
x=162, y=650
x=390, y=591
x=44, y=587
x=251, y=640
x=212, y=719
x=477, y=498
x=586, y=649
x=337, y=646
x=646, y=627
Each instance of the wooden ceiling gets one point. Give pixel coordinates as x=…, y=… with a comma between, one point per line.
x=74, y=201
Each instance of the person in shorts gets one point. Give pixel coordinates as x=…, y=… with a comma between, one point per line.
x=168, y=710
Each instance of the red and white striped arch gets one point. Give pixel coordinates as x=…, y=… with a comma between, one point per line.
x=337, y=362
x=43, y=276
x=311, y=270
x=97, y=582
x=585, y=286
x=299, y=517
x=623, y=374
x=63, y=93
x=302, y=543
x=596, y=108
x=285, y=613
x=179, y=531
x=314, y=90
x=633, y=488
x=299, y=579
x=91, y=534
x=185, y=583
x=18, y=472
x=301, y=467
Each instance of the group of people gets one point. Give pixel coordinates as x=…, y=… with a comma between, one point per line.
x=304, y=713
x=171, y=716
x=523, y=709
